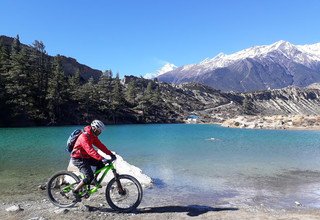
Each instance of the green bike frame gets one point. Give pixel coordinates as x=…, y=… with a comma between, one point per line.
x=104, y=172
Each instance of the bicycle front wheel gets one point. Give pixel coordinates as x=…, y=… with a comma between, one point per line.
x=127, y=200
x=59, y=189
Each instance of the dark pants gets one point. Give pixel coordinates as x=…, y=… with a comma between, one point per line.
x=84, y=165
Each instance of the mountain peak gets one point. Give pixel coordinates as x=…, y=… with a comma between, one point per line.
x=267, y=66
x=282, y=45
x=165, y=68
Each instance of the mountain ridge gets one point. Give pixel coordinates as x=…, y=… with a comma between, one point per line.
x=256, y=68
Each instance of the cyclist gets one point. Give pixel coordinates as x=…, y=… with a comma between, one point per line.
x=84, y=155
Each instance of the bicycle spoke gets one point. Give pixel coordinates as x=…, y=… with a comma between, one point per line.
x=60, y=189
x=127, y=198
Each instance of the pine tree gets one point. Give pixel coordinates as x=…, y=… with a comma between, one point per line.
x=108, y=74
x=104, y=94
x=247, y=106
x=4, y=59
x=57, y=95
x=145, y=102
x=131, y=92
x=18, y=83
x=156, y=97
x=149, y=91
x=74, y=86
x=39, y=76
x=4, y=69
x=118, y=101
x=88, y=96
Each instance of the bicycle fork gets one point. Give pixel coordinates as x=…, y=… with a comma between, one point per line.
x=120, y=188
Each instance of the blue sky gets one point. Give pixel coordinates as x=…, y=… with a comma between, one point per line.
x=139, y=36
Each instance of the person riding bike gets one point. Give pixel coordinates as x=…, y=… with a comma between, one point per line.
x=84, y=155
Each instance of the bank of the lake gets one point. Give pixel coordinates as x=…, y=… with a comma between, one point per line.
x=290, y=122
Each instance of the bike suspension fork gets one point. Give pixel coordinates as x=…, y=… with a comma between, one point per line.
x=120, y=188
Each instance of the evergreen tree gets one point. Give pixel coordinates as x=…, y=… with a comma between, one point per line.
x=118, y=101
x=156, y=98
x=74, y=86
x=18, y=83
x=57, y=94
x=88, y=96
x=4, y=69
x=39, y=76
x=105, y=94
x=145, y=102
x=4, y=59
x=247, y=106
x=108, y=74
x=149, y=91
x=131, y=92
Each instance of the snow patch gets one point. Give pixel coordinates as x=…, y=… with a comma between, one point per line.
x=164, y=69
x=280, y=52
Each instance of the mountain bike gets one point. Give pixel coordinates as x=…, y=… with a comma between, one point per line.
x=123, y=192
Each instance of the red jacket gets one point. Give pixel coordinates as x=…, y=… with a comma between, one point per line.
x=83, y=147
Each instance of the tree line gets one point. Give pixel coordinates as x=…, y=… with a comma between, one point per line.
x=34, y=90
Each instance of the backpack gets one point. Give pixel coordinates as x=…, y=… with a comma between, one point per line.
x=72, y=139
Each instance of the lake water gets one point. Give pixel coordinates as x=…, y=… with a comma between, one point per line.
x=190, y=164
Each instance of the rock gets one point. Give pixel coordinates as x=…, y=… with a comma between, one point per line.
x=37, y=218
x=15, y=208
x=298, y=203
x=122, y=167
x=42, y=186
x=61, y=211
x=86, y=208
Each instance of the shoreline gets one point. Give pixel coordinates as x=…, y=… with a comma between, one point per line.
x=268, y=122
x=97, y=208
x=157, y=205
x=276, y=122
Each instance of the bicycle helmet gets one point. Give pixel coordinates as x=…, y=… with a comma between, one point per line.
x=97, y=125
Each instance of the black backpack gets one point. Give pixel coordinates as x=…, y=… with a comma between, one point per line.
x=72, y=139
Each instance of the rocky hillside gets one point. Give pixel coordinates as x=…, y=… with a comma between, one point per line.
x=216, y=106
x=288, y=101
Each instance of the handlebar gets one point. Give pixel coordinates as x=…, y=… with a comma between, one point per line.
x=108, y=161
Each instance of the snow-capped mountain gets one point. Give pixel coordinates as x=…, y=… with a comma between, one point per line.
x=257, y=68
x=166, y=68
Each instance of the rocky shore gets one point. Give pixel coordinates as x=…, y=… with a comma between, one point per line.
x=96, y=208
x=297, y=122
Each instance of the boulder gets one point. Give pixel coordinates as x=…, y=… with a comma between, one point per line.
x=122, y=167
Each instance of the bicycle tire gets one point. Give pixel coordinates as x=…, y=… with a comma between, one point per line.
x=130, y=180
x=51, y=186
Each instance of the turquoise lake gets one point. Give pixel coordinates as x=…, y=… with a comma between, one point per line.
x=190, y=164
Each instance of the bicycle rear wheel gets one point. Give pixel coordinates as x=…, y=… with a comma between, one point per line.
x=129, y=199
x=59, y=189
